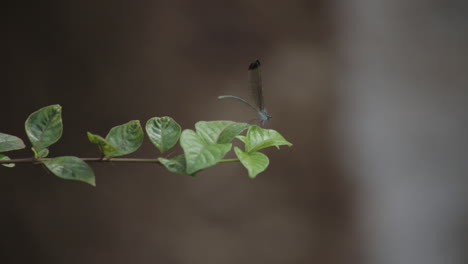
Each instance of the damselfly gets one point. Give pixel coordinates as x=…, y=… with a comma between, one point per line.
x=255, y=85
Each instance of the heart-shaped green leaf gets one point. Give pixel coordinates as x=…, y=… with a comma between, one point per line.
x=163, y=132
x=44, y=127
x=105, y=147
x=259, y=138
x=177, y=164
x=71, y=168
x=5, y=157
x=199, y=153
x=126, y=138
x=9, y=142
x=255, y=162
x=219, y=132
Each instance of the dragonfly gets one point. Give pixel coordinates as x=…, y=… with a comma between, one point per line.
x=255, y=86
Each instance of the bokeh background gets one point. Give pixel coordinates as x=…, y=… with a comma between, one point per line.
x=108, y=62
x=371, y=93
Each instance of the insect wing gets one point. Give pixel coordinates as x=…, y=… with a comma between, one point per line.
x=255, y=84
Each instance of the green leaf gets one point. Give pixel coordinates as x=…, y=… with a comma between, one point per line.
x=259, y=138
x=43, y=153
x=126, y=138
x=199, y=153
x=44, y=127
x=163, y=132
x=176, y=165
x=9, y=142
x=219, y=132
x=105, y=147
x=243, y=139
x=71, y=168
x=5, y=157
x=255, y=162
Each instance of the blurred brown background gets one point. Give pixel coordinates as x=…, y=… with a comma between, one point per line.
x=372, y=93
x=108, y=62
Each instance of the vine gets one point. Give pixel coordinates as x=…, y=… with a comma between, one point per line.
x=203, y=147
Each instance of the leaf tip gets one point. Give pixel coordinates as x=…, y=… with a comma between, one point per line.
x=92, y=182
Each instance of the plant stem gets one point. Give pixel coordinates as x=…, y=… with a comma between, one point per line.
x=229, y=160
x=132, y=160
x=103, y=159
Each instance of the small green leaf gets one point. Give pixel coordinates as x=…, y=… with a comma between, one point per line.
x=9, y=142
x=219, y=132
x=5, y=157
x=243, y=139
x=41, y=154
x=199, y=153
x=259, y=138
x=126, y=138
x=163, y=132
x=176, y=165
x=105, y=147
x=44, y=127
x=71, y=168
x=255, y=162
